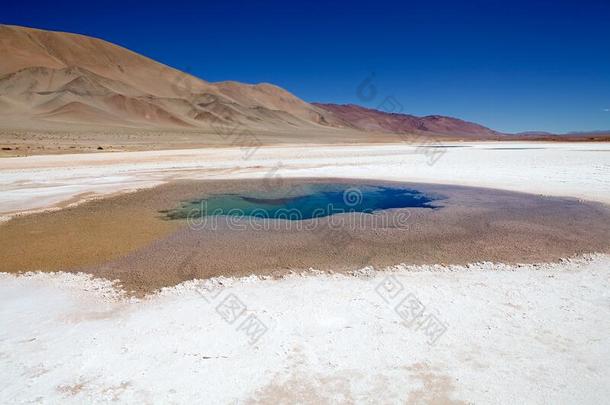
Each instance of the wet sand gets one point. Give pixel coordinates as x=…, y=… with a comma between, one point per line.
x=126, y=237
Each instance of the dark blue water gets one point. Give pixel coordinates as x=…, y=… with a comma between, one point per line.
x=304, y=202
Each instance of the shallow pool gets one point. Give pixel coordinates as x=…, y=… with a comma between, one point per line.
x=305, y=201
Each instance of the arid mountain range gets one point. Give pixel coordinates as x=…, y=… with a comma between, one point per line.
x=55, y=78
x=368, y=119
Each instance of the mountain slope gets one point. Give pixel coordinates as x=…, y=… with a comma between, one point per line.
x=43, y=71
x=367, y=119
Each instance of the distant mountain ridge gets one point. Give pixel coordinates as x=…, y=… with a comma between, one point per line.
x=368, y=119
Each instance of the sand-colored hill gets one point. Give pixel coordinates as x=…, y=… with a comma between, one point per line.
x=57, y=76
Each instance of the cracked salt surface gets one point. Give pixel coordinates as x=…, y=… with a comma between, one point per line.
x=535, y=331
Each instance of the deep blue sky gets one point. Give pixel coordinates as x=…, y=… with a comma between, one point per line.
x=510, y=65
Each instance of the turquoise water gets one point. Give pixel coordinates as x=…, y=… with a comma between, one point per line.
x=304, y=202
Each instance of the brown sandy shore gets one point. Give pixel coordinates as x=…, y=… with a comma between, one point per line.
x=92, y=139
x=127, y=237
x=83, y=139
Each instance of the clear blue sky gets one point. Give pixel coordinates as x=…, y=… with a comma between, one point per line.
x=510, y=65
